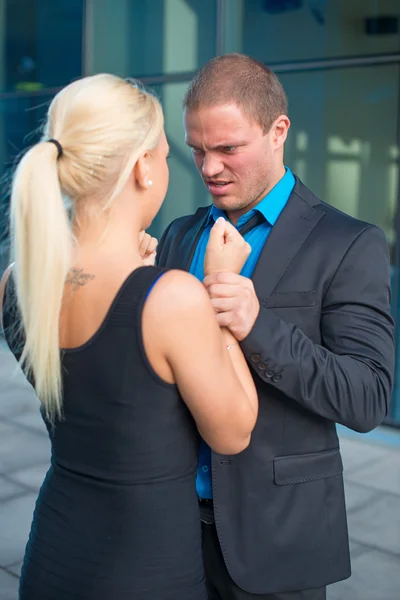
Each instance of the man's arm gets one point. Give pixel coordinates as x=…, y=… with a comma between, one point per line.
x=348, y=379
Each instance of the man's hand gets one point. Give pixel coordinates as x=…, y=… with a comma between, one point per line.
x=226, y=250
x=147, y=248
x=235, y=302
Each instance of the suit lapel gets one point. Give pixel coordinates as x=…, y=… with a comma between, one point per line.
x=186, y=246
x=297, y=220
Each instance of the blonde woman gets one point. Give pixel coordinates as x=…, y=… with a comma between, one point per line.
x=126, y=359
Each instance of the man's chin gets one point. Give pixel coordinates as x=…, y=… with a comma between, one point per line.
x=227, y=203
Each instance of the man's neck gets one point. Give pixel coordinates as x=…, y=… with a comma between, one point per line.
x=235, y=215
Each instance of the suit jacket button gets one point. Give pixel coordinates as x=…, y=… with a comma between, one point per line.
x=255, y=358
x=270, y=373
x=262, y=366
x=277, y=377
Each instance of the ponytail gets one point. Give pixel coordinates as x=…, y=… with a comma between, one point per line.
x=41, y=246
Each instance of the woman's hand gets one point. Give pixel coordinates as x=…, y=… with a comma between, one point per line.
x=227, y=250
x=147, y=248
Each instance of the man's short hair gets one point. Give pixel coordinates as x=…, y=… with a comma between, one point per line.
x=242, y=80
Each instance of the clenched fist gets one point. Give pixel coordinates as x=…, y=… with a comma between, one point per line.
x=227, y=250
x=147, y=248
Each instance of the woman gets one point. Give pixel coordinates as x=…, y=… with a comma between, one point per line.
x=141, y=354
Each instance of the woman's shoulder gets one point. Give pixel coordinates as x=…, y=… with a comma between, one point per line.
x=179, y=290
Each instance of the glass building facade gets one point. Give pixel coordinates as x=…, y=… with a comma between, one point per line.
x=338, y=60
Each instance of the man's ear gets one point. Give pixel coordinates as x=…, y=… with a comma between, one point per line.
x=280, y=130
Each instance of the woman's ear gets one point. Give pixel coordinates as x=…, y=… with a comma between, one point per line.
x=141, y=171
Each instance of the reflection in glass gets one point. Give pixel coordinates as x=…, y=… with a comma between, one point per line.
x=150, y=37
x=40, y=43
x=275, y=31
x=342, y=140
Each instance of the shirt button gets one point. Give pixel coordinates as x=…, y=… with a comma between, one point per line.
x=255, y=358
x=262, y=366
x=270, y=373
x=204, y=468
x=277, y=377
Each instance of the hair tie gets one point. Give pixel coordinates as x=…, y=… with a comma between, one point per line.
x=58, y=145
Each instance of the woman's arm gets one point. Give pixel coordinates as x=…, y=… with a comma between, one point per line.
x=185, y=346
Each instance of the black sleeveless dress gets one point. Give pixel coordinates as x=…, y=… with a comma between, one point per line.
x=117, y=516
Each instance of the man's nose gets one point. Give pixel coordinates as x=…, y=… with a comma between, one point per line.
x=212, y=166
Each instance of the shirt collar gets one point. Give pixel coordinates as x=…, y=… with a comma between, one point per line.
x=270, y=206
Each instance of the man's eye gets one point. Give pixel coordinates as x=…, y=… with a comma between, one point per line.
x=196, y=150
x=229, y=148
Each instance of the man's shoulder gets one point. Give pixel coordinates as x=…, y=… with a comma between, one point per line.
x=187, y=221
x=334, y=218
x=343, y=220
x=177, y=231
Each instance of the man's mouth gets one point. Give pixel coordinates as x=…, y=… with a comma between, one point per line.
x=216, y=187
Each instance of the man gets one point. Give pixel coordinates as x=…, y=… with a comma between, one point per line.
x=311, y=311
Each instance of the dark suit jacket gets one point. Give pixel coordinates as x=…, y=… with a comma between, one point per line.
x=322, y=352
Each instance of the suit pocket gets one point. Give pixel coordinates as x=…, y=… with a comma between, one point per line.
x=291, y=299
x=301, y=468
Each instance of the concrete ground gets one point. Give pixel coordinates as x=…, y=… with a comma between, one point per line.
x=372, y=476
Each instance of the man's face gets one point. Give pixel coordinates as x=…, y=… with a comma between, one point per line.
x=235, y=158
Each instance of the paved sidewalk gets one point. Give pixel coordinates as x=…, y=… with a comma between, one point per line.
x=372, y=475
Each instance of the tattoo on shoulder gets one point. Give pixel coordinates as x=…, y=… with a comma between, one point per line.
x=77, y=278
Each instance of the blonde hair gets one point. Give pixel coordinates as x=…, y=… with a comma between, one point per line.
x=103, y=123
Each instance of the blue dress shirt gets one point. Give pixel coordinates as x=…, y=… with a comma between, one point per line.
x=270, y=207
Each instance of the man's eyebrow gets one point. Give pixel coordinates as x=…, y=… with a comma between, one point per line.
x=219, y=146
x=229, y=145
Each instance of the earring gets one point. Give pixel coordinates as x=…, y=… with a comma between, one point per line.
x=149, y=182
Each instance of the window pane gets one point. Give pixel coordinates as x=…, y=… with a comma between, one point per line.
x=40, y=43
x=20, y=119
x=342, y=141
x=150, y=37
x=276, y=31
